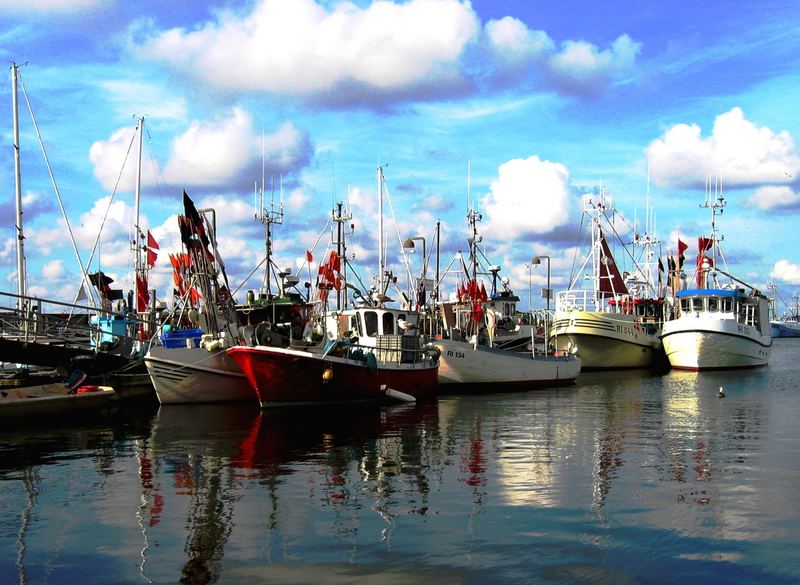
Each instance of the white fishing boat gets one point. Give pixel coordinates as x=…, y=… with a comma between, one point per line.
x=463, y=365
x=787, y=324
x=474, y=349
x=786, y=327
x=616, y=322
x=188, y=362
x=715, y=325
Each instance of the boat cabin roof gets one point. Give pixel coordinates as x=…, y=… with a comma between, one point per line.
x=708, y=292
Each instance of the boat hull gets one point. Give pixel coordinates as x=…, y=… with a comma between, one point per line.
x=282, y=376
x=785, y=328
x=705, y=344
x=194, y=375
x=462, y=363
x=50, y=400
x=606, y=340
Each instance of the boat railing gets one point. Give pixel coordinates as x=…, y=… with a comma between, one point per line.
x=581, y=300
x=47, y=321
x=390, y=349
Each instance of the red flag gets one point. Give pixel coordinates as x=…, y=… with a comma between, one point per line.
x=142, y=294
x=334, y=262
x=483, y=296
x=681, y=249
x=151, y=258
x=151, y=241
x=477, y=313
x=703, y=245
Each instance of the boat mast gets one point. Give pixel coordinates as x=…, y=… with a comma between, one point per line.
x=341, y=250
x=21, y=284
x=381, y=251
x=596, y=245
x=139, y=266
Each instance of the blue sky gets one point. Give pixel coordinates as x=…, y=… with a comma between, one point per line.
x=545, y=101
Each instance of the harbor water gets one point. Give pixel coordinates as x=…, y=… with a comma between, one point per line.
x=626, y=477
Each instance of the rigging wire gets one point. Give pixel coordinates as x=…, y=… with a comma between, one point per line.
x=58, y=193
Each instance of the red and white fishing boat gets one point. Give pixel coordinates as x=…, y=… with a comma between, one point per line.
x=370, y=353
x=365, y=353
x=377, y=361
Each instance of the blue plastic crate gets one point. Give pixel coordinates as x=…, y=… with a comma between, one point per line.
x=178, y=338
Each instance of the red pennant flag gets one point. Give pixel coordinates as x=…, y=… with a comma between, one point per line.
x=309, y=256
x=151, y=241
x=151, y=258
x=681, y=249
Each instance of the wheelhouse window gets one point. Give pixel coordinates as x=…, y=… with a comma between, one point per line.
x=713, y=304
x=727, y=305
x=355, y=326
x=371, y=323
x=697, y=304
x=388, y=324
x=686, y=305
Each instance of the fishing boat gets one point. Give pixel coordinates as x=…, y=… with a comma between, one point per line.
x=716, y=325
x=347, y=353
x=787, y=324
x=188, y=363
x=470, y=356
x=616, y=321
x=380, y=362
x=56, y=399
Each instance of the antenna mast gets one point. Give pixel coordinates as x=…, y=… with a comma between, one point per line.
x=268, y=216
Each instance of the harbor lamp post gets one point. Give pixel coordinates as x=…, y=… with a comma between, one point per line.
x=548, y=293
x=530, y=285
x=408, y=245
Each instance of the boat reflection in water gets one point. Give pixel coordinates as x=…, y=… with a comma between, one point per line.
x=204, y=461
x=621, y=476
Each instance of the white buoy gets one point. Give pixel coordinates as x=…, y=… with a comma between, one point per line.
x=721, y=392
x=396, y=395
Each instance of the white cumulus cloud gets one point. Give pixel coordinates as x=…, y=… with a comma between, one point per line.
x=224, y=152
x=578, y=67
x=530, y=196
x=388, y=51
x=583, y=68
x=513, y=43
x=775, y=196
x=737, y=150
x=300, y=47
x=53, y=269
x=785, y=271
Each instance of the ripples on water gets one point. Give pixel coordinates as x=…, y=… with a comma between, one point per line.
x=625, y=477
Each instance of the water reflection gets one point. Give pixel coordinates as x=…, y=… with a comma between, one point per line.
x=621, y=476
